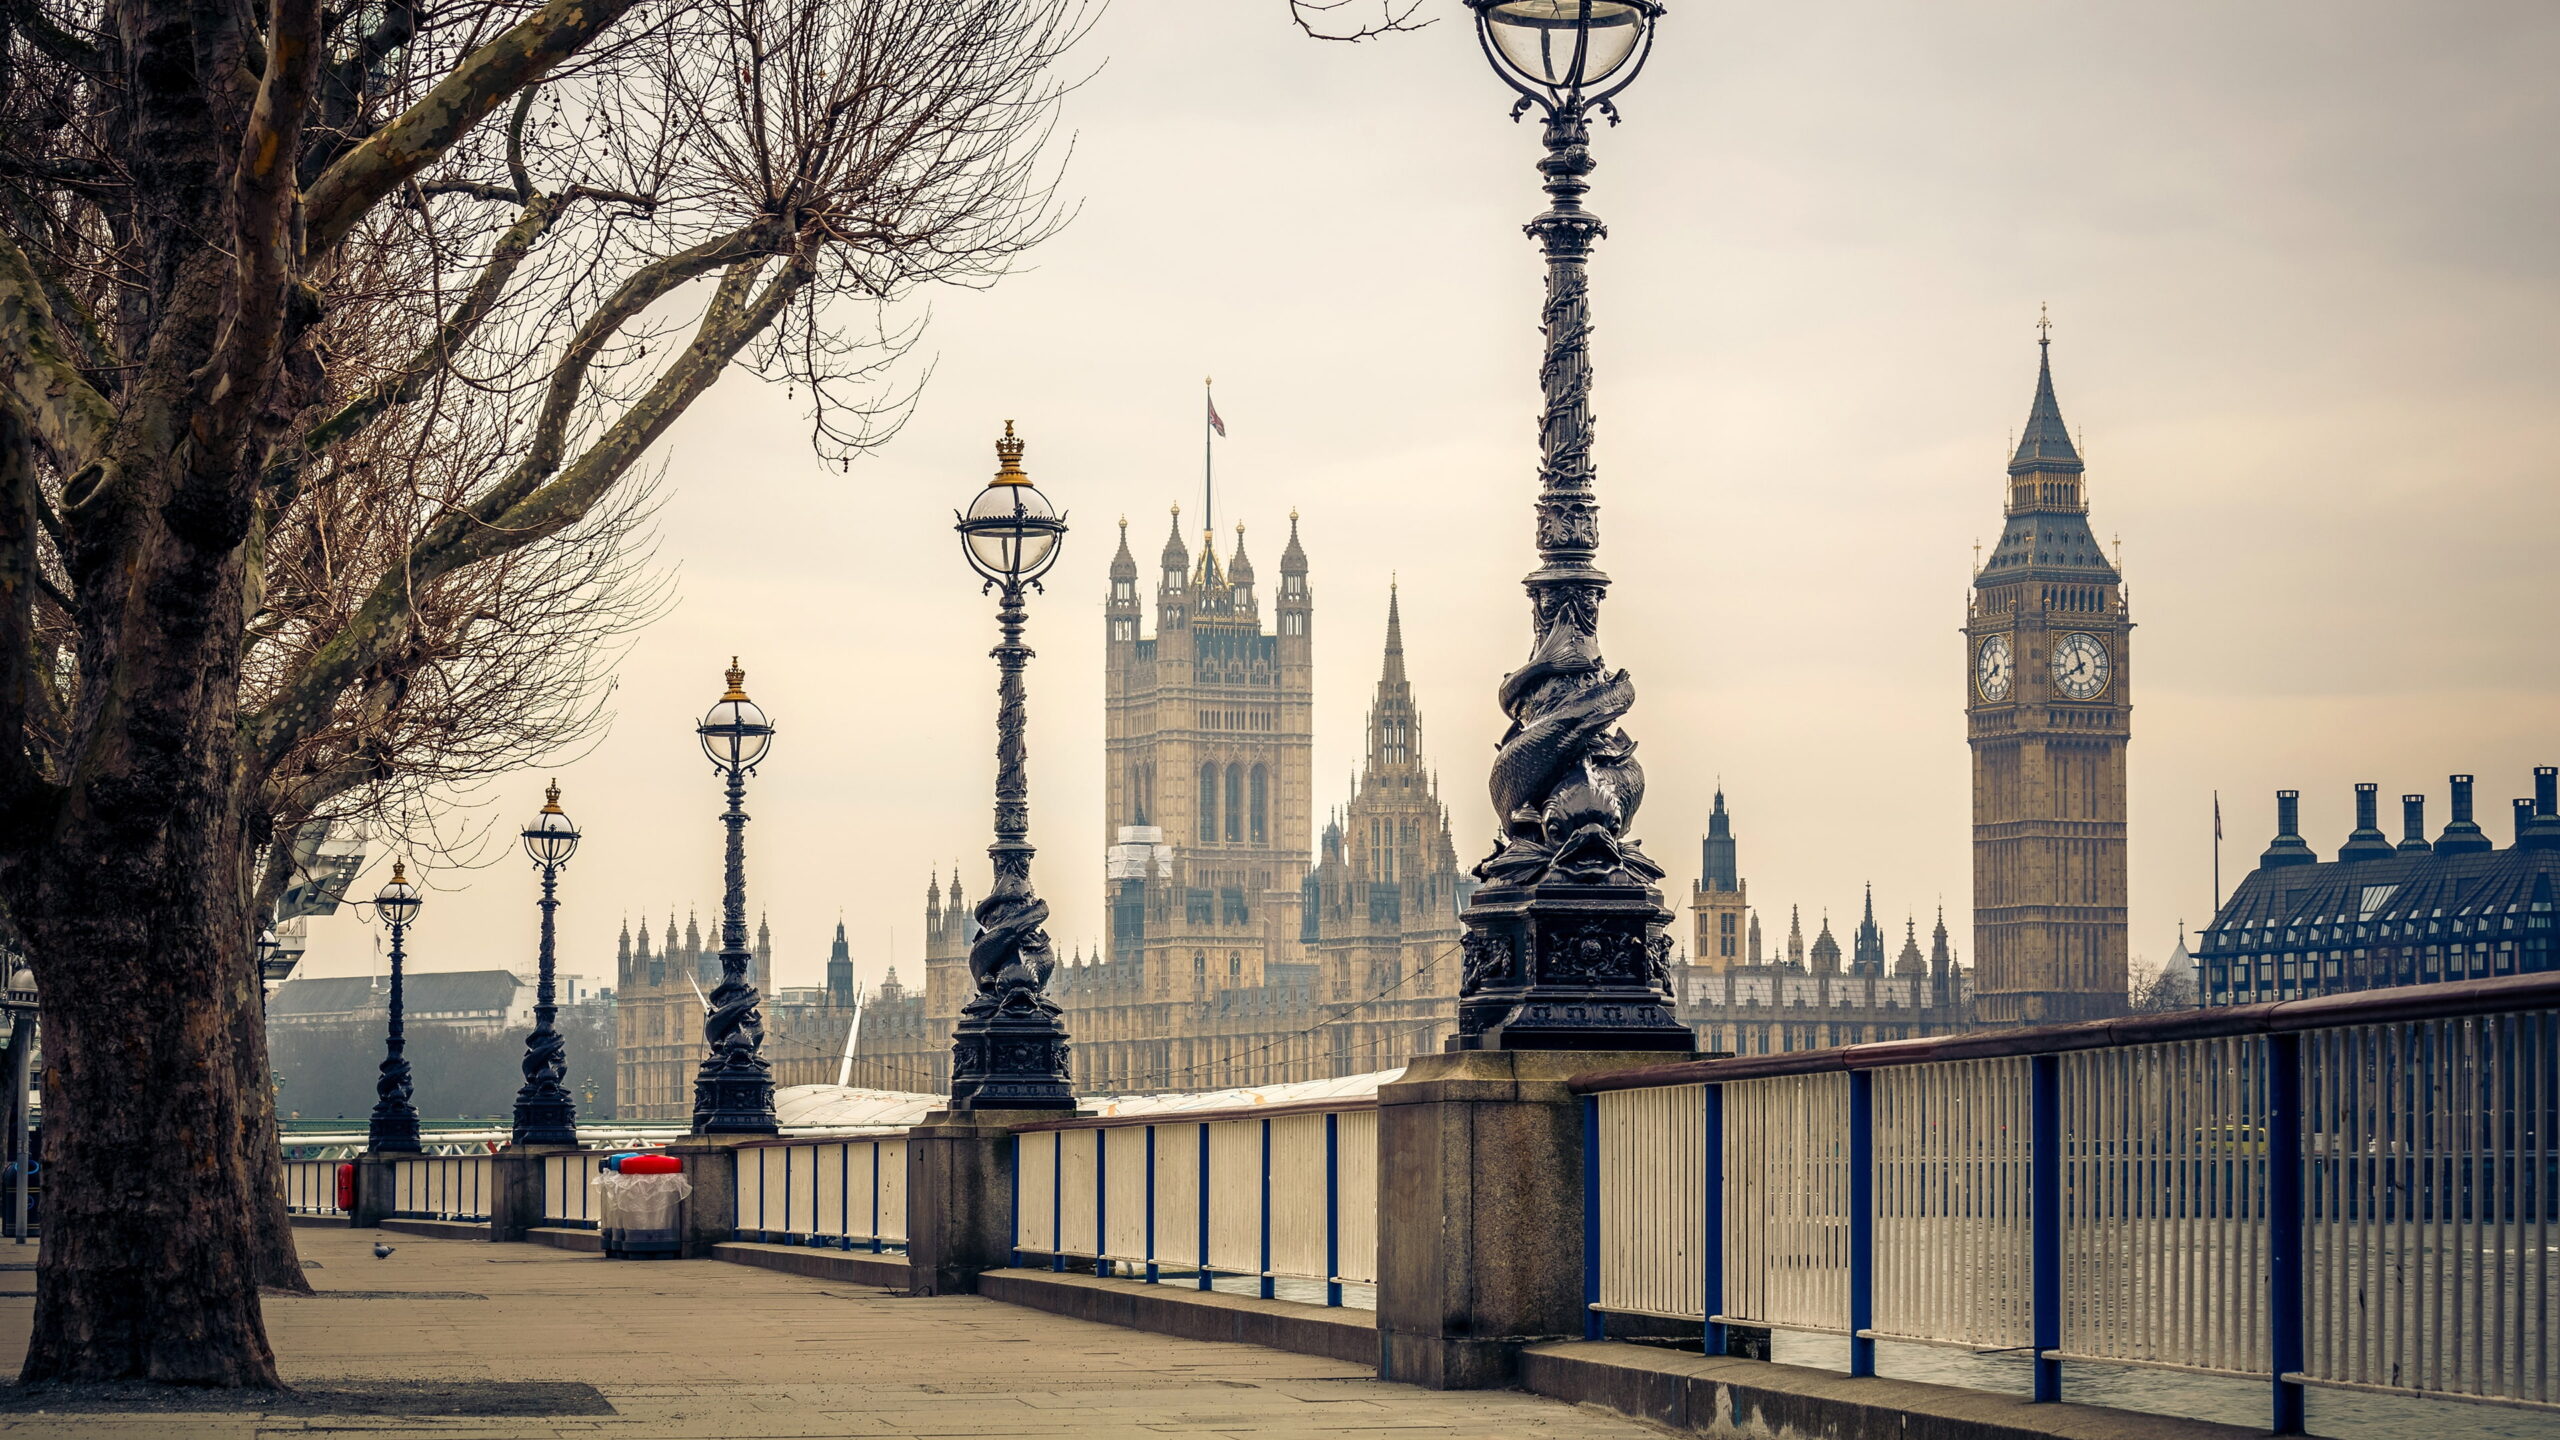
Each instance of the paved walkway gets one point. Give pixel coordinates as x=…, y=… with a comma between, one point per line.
x=696, y=1350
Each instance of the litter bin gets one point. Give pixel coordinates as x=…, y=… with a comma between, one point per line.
x=637, y=1214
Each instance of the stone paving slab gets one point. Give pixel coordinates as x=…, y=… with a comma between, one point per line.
x=704, y=1350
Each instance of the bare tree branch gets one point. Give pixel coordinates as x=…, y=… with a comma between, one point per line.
x=1394, y=17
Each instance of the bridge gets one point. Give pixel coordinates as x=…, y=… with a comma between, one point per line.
x=2334, y=1215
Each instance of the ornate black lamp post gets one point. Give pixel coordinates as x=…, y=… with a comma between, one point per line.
x=545, y=1115
x=1009, y=1051
x=395, y=1120
x=1565, y=946
x=733, y=1092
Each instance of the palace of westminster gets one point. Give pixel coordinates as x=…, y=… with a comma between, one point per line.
x=1247, y=946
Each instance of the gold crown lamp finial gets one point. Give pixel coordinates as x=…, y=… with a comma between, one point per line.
x=737, y=682
x=399, y=872
x=551, y=798
x=1009, y=459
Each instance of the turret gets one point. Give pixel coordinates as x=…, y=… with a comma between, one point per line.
x=1826, y=951
x=1296, y=605
x=1120, y=611
x=1240, y=576
x=622, y=956
x=1795, y=937
x=1908, y=965
x=2367, y=842
x=2288, y=848
x=1173, y=590
x=1942, y=964
x=2462, y=834
x=1866, y=949
x=1716, y=861
x=1756, y=960
x=840, y=969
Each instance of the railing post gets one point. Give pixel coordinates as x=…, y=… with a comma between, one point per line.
x=1151, y=1205
x=2044, y=1200
x=2284, y=1229
x=1332, y=1209
x=1058, y=1201
x=1594, y=1324
x=1270, y=1288
x=1101, y=1204
x=1012, y=1207
x=1204, y=1204
x=1862, y=1222
x=1711, y=1243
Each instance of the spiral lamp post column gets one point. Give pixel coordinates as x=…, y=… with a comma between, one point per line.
x=394, y=1126
x=1009, y=1051
x=545, y=1113
x=1566, y=944
x=733, y=1092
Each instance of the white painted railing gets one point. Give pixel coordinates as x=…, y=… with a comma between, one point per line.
x=441, y=1187
x=569, y=1197
x=311, y=1187
x=2360, y=1191
x=840, y=1193
x=1267, y=1197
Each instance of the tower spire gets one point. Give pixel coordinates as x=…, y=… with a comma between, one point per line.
x=1391, y=670
x=2046, y=442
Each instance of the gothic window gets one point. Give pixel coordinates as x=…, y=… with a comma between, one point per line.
x=1200, y=963
x=1124, y=629
x=1235, y=963
x=1261, y=805
x=1208, y=803
x=1293, y=622
x=1235, y=802
x=1124, y=589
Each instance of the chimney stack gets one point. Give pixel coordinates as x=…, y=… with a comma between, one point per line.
x=2462, y=835
x=2413, y=825
x=2538, y=821
x=2367, y=842
x=2288, y=847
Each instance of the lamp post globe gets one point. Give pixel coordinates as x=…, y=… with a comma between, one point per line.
x=733, y=1089
x=1010, y=532
x=393, y=1127
x=1009, y=1051
x=545, y=1113
x=1567, y=944
x=1561, y=51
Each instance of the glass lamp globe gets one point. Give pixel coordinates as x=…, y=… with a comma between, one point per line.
x=551, y=839
x=1562, y=46
x=397, y=901
x=1010, y=532
x=735, y=732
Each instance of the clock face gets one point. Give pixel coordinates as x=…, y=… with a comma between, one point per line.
x=1991, y=668
x=2080, y=667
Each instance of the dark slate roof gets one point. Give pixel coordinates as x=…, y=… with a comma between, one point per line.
x=434, y=992
x=2046, y=443
x=2386, y=891
x=2047, y=544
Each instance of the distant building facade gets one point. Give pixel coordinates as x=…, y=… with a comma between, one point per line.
x=659, y=1008
x=485, y=1001
x=2417, y=912
x=1234, y=953
x=1746, y=1001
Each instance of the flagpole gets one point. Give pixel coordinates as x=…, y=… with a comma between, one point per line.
x=1208, y=469
x=2217, y=852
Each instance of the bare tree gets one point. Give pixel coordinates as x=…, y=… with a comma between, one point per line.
x=1355, y=19
x=332, y=341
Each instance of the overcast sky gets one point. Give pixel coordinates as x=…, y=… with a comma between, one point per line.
x=2304, y=274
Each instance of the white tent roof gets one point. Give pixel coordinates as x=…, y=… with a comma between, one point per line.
x=805, y=1108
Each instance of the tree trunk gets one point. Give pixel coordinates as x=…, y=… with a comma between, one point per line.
x=153, y=1242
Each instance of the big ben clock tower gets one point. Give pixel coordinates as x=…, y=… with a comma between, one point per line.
x=2048, y=701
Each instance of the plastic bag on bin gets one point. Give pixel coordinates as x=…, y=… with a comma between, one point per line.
x=638, y=1213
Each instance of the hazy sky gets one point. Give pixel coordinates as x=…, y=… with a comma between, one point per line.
x=2304, y=267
